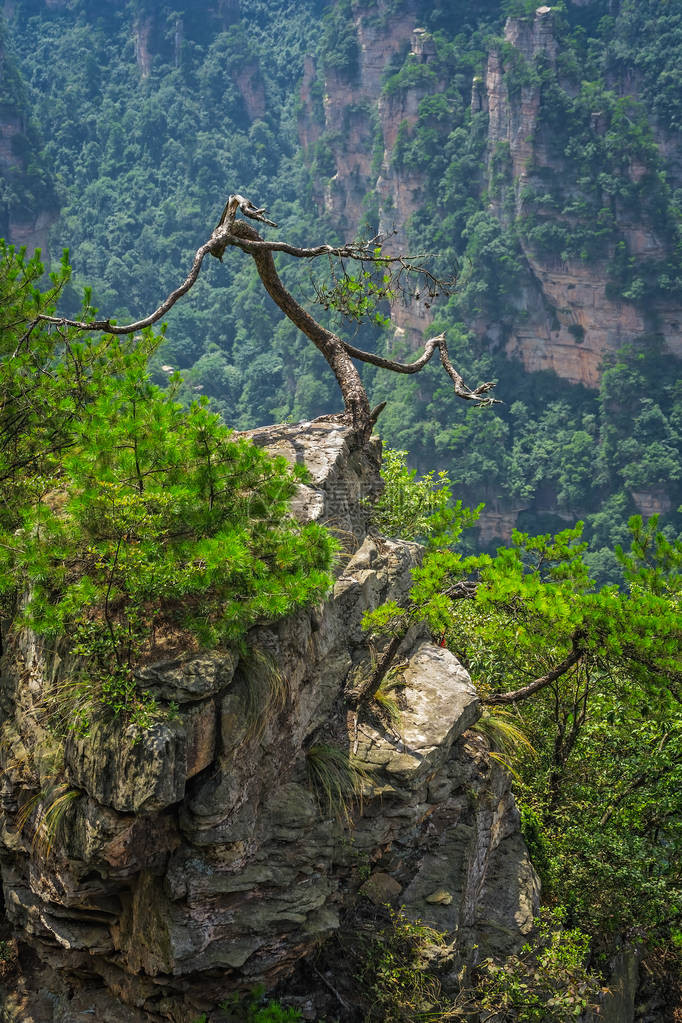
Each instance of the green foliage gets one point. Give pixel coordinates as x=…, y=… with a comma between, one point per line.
x=26, y=185
x=356, y=295
x=546, y=983
x=599, y=772
x=412, y=74
x=412, y=507
x=138, y=520
x=337, y=778
x=647, y=36
x=256, y=1008
x=38, y=400
x=339, y=49
x=597, y=151
x=615, y=834
x=536, y=842
x=394, y=973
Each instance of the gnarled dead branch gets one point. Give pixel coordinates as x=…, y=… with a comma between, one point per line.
x=232, y=232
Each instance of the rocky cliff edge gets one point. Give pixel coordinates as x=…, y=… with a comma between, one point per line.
x=200, y=858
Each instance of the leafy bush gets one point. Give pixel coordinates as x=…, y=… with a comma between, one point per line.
x=546, y=983
x=412, y=507
x=394, y=973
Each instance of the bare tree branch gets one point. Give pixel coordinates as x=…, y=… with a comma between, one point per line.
x=463, y=589
x=332, y=348
x=430, y=346
x=236, y=202
x=107, y=327
x=338, y=353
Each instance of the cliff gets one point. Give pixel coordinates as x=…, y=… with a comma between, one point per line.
x=570, y=322
x=561, y=314
x=360, y=126
x=148, y=875
x=542, y=169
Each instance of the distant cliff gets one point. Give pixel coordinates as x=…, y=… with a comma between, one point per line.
x=562, y=315
x=571, y=320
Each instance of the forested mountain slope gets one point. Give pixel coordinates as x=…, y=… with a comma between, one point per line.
x=538, y=149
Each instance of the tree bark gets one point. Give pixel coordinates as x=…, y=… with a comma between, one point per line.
x=539, y=683
x=332, y=347
x=338, y=353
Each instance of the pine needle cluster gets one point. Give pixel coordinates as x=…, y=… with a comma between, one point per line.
x=131, y=521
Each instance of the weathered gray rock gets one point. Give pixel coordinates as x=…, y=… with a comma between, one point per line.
x=440, y=704
x=133, y=772
x=344, y=473
x=619, y=1007
x=200, y=857
x=189, y=678
x=380, y=888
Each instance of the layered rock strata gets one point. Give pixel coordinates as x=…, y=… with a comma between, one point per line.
x=199, y=857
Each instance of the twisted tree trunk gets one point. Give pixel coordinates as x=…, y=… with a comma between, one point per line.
x=332, y=347
x=338, y=353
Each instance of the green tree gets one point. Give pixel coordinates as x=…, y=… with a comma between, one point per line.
x=595, y=677
x=133, y=518
x=415, y=508
x=48, y=376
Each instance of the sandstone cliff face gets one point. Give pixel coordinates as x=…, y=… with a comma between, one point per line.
x=563, y=296
x=361, y=126
x=350, y=103
x=199, y=858
x=561, y=317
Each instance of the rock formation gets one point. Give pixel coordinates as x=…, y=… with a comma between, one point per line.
x=561, y=318
x=570, y=322
x=146, y=875
x=360, y=122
